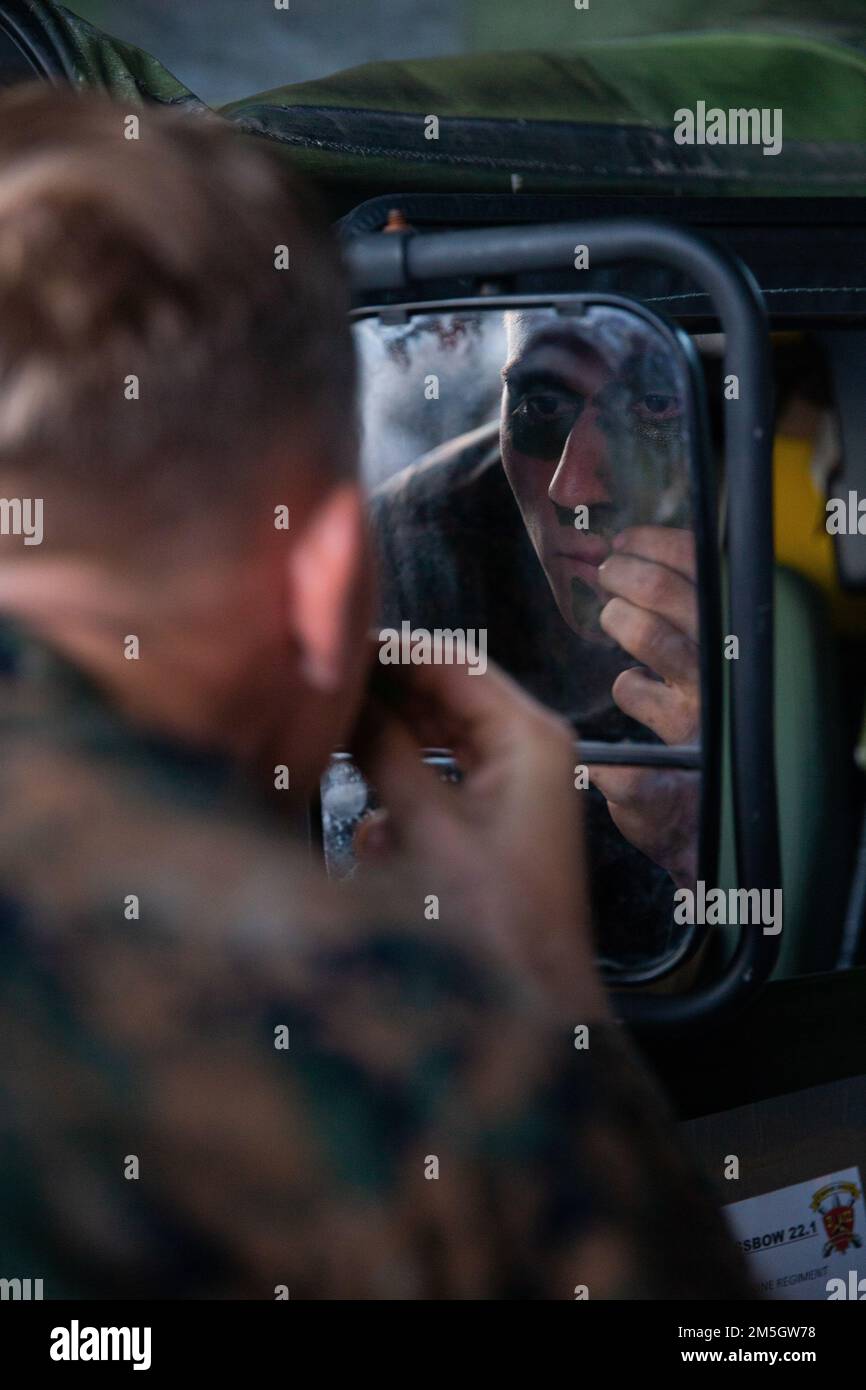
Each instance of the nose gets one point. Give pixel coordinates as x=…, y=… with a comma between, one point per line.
x=582, y=476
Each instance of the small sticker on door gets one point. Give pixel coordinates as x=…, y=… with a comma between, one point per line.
x=805, y=1241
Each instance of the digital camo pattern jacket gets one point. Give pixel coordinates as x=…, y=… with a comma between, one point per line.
x=157, y=1142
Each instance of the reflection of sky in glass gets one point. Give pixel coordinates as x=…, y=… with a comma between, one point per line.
x=400, y=422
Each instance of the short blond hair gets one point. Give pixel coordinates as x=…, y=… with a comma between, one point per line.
x=172, y=311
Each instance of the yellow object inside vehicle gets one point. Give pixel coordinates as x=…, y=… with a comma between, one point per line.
x=801, y=539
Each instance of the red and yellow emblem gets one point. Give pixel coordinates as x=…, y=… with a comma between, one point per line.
x=835, y=1202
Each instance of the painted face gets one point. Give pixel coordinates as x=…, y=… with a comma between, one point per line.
x=592, y=441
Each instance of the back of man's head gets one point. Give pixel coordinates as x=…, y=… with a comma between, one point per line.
x=174, y=349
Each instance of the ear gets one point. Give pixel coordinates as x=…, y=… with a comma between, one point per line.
x=324, y=567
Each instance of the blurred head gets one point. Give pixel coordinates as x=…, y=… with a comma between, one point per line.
x=177, y=385
x=592, y=442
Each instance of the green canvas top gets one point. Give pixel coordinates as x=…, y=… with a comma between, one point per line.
x=600, y=119
x=595, y=119
x=638, y=81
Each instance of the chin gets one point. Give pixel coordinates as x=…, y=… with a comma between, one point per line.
x=589, y=631
x=586, y=625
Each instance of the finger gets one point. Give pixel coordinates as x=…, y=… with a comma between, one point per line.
x=667, y=545
x=624, y=786
x=651, y=640
x=374, y=838
x=389, y=757
x=654, y=587
x=673, y=715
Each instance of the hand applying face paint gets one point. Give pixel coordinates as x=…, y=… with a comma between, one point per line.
x=652, y=613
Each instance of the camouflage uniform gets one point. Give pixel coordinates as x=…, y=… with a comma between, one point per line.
x=152, y=1039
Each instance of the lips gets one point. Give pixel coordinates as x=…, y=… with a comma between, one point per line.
x=591, y=550
x=582, y=559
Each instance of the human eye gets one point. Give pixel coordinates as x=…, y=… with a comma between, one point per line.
x=544, y=406
x=657, y=407
x=540, y=419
